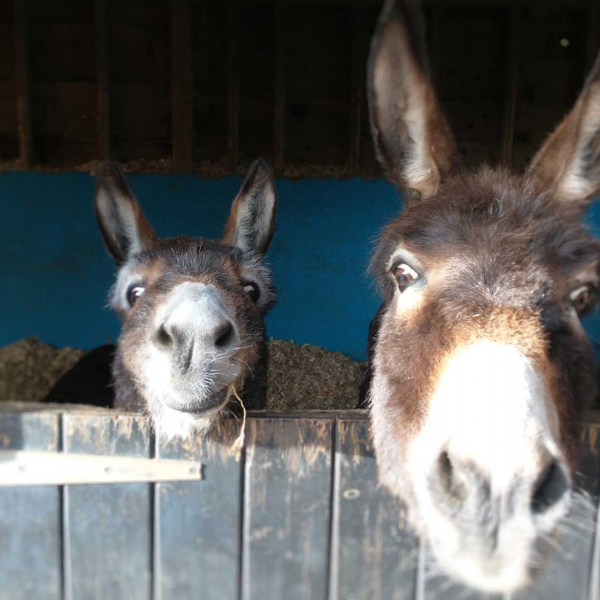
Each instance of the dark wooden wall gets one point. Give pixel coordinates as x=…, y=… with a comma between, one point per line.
x=207, y=85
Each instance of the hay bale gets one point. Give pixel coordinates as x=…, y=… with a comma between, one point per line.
x=299, y=377
x=309, y=377
x=29, y=368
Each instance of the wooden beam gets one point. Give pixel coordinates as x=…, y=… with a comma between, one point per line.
x=23, y=82
x=511, y=83
x=102, y=80
x=279, y=112
x=181, y=85
x=357, y=84
x=233, y=87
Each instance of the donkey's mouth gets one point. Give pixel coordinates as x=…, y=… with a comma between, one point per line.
x=204, y=407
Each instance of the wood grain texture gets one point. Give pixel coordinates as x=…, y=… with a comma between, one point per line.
x=281, y=8
x=23, y=83
x=287, y=509
x=107, y=528
x=181, y=85
x=373, y=552
x=233, y=84
x=198, y=524
x=102, y=80
x=30, y=531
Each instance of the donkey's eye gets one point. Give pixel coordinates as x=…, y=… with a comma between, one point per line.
x=134, y=291
x=582, y=297
x=252, y=290
x=404, y=275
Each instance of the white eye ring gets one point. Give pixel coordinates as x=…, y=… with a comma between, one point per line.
x=406, y=270
x=134, y=292
x=404, y=276
x=582, y=296
x=252, y=290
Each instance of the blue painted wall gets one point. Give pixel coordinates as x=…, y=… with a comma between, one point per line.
x=55, y=274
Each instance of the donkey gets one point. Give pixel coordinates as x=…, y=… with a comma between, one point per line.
x=192, y=309
x=480, y=368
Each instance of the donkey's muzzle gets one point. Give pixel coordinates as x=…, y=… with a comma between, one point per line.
x=478, y=508
x=196, y=328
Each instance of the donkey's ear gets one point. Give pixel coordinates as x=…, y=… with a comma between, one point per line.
x=568, y=164
x=412, y=138
x=252, y=219
x=123, y=225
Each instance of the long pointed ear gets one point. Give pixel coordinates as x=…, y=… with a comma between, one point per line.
x=122, y=223
x=412, y=138
x=252, y=219
x=568, y=164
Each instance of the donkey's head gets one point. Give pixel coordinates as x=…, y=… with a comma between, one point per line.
x=481, y=368
x=192, y=309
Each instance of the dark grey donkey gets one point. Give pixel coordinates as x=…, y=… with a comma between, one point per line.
x=192, y=309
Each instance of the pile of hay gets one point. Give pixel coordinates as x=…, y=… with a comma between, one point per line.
x=29, y=368
x=309, y=377
x=300, y=377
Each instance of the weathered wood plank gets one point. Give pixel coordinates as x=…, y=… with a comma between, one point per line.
x=197, y=545
x=102, y=80
x=357, y=83
x=181, y=85
x=108, y=538
x=281, y=8
x=511, y=83
x=374, y=554
x=23, y=83
x=30, y=518
x=568, y=573
x=233, y=85
x=287, y=502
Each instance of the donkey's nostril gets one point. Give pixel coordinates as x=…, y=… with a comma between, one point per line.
x=551, y=487
x=451, y=481
x=223, y=334
x=163, y=337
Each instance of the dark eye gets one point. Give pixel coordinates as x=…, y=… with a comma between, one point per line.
x=252, y=290
x=582, y=297
x=405, y=275
x=134, y=291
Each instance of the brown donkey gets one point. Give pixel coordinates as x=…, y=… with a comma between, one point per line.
x=192, y=309
x=480, y=368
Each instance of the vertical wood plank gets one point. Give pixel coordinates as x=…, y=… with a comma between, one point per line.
x=511, y=83
x=30, y=518
x=287, y=509
x=357, y=83
x=23, y=84
x=108, y=538
x=281, y=8
x=233, y=91
x=568, y=572
x=595, y=571
x=102, y=80
x=374, y=554
x=181, y=85
x=197, y=545
x=592, y=42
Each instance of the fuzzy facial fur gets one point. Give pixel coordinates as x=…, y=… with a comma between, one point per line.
x=479, y=367
x=192, y=309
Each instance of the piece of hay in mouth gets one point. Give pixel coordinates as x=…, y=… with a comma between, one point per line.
x=239, y=442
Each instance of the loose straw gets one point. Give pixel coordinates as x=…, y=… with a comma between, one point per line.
x=238, y=445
